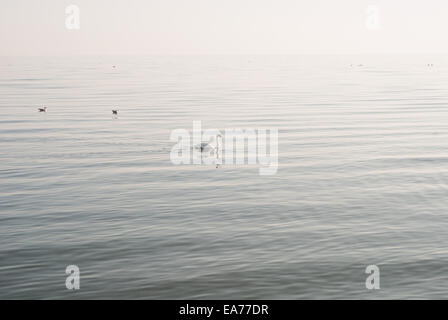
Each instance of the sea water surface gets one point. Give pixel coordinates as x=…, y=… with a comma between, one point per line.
x=362, y=178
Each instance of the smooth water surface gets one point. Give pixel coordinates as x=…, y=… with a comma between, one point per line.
x=362, y=178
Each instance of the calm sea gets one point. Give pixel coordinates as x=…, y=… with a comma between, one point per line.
x=362, y=178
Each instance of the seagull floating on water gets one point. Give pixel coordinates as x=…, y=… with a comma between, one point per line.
x=44, y=109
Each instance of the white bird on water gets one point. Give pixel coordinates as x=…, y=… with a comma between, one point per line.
x=205, y=146
x=44, y=109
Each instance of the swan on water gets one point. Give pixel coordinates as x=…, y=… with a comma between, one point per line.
x=205, y=146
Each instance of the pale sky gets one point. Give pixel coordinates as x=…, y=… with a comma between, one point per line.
x=37, y=27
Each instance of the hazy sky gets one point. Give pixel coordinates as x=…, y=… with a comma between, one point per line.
x=37, y=27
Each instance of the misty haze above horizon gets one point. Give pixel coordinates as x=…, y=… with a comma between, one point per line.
x=222, y=27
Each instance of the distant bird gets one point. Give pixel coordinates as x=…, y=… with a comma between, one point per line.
x=44, y=109
x=115, y=112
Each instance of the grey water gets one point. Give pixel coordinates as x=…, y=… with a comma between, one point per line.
x=362, y=178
